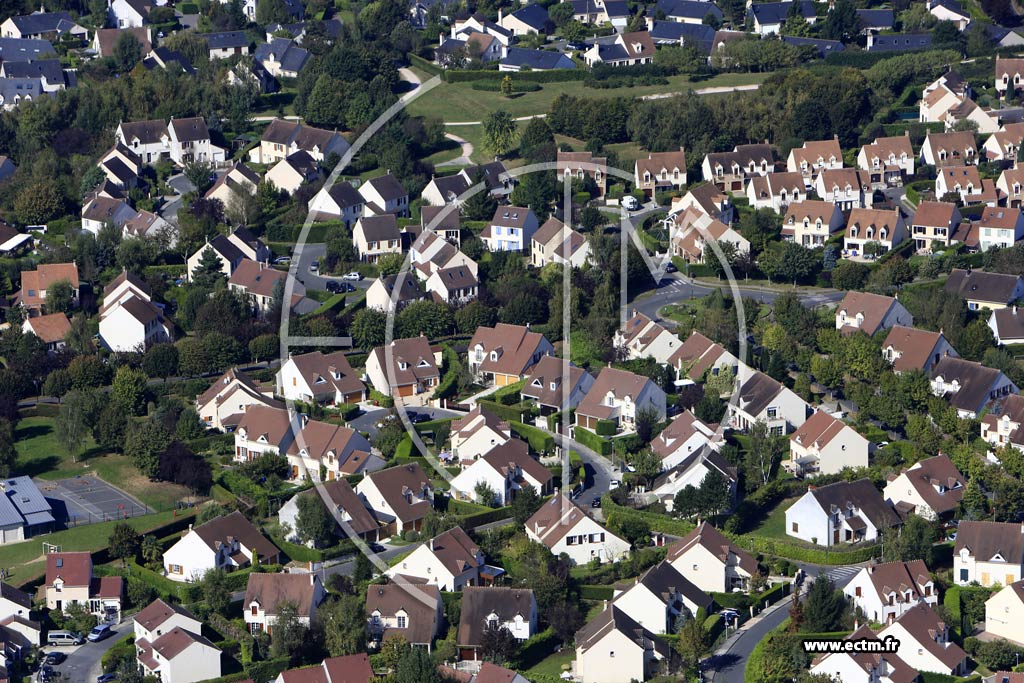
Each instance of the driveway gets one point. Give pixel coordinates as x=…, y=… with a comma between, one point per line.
x=600, y=471
x=83, y=662
x=367, y=422
x=181, y=184
x=346, y=567
x=315, y=251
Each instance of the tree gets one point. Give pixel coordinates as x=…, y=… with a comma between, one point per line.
x=537, y=142
x=788, y=262
x=368, y=328
x=635, y=530
x=974, y=505
x=265, y=346
x=150, y=549
x=127, y=51
x=57, y=383
x=124, y=542
x=479, y=206
x=198, y=173
x=842, y=22
x=289, y=638
x=762, y=456
x=344, y=624
x=363, y=570
x=90, y=179
x=161, y=360
x=485, y=494
x=78, y=618
x=144, y=441
x=647, y=419
x=72, y=423
x=209, y=270
x=415, y=666
x=8, y=453
x=429, y=318
x=565, y=618
x=314, y=523
x=524, y=504
x=129, y=390
x=499, y=132
x=709, y=409
x=823, y=607
x=692, y=644
x=913, y=541
x=59, y=297
x=498, y=645
x=38, y=203
x=713, y=496
x=215, y=592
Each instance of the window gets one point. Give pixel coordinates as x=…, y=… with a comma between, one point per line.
x=255, y=610
x=795, y=528
x=401, y=621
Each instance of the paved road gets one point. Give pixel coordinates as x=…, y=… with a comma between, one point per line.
x=600, y=472
x=367, y=422
x=314, y=251
x=465, y=158
x=346, y=567
x=83, y=662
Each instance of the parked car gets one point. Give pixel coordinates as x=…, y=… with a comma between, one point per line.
x=63, y=638
x=99, y=633
x=281, y=260
x=630, y=203
x=333, y=286
x=596, y=503
x=614, y=484
x=106, y=678
x=55, y=658
x=345, y=287
x=417, y=418
x=376, y=547
x=729, y=615
x=314, y=267
x=352, y=276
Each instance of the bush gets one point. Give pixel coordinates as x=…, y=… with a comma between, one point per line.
x=470, y=522
x=507, y=413
x=606, y=428
x=121, y=651
x=266, y=670
x=596, y=592
x=540, y=441
x=347, y=411
x=592, y=440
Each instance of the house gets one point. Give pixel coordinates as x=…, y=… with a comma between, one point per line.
x=179, y=656
x=347, y=669
x=876, y=20
x=641, y=337
x=884, y=592
x=884, y=227
x=450, y=561
x=36, y=283
x=711, y=561
x=263, y=286
x=234, y=184
x=1005, y=143
x=870, y=313
x=1003, y=614
x=564, y=528
x=161, y=617
x=1000, y=227
x=988, y=553
x=385, y=292
x=456, y=285
x=50, y=329
x=985, y=290
x=376, y=236
x=345, y=506
x=925, y=643
x=48, y=74
x=843, y=512
x=14, y=603
x=294, y=171
x=629, y=49
x=267, y=594
x=70, y=581
x=847, y=188
x=442, y=221
x=949, y=149
x=100, y=211
x=226, y=251
x=145, y=224
x=1009, y=72
x=431, y=252
x=775, y=191
x=106, y=38
x=129, y=13
x=1001, y=424
x=190, y=141
x=491, y=607
x=699, y=355
x=554, y=242
x=689, y=11
x=228, y=542
x=511, y=229
x=888, y=161
x=410, y=611
x=691, y=231
x=399, y=496
x=281, y=57
x=949, y=10
x=457, y=52
x=310, y=447
x=769, y=17
x=545, y=385
x=661, y=599
x=662, y=171
x=580, y=165
x=825, y=445
x=42, y=26
x=478, y=24
x=445, y=189
x=813, y=157
x=169, y=60
x=899, y=42
x=339, y=202
x=619, y=397
x=933, y=225
x=763, y=399
x=320, y=377
x=857, y=666
x=504, y=354
x=477, y=433
x=1006, y=327
x=908, y=349
x=707, y=199
x=531, y=19
x=26, y=49
x=129, y=320
x=1010, y=184
x=942, y=96
x=505, y=470
x=226, y=44
x=729, y=171
x=147, y=139
x=283, y=138
x=384, y=194
x=684, y=436
x=12, y=242
x=692, y=470
x=966, y=183
x=414, y=370
x=811, y=222
x=221, y=406
x=931, y=488
x=612, y=648
x=969, y=386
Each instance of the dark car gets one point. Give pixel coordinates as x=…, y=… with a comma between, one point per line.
x=670, y=267
x=376, y=547
x=576, y=45
x=55, y=658
x=596, y=503
x=417, y=418
x=106, y=678
x=346, y=287
x=333, y=286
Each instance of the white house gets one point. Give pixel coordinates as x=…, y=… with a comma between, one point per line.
x=884, y=592
x=1005, y=143
x=477, y=434
x=129, y=13
x=1001, y=425
x=179, y=656
x=1000, y=227
x=641, y=337
x=227, y=542
x=1004, y=613
x=812, y=222
x=619, y=396
x=813, y=157
x=847, y=188
x=339, y=202
x=450, y=561
x=376, y=236
x=924, y=642
x=129, y=320
x=711, y=561
x=660, y=171
x=491, y=607
x=612, y=648
x=908, y=349
x=283, y=138
x=966, y=183
x=403, y=609
x=949, y=149
x=320, y=377
x=399, y=496
x=267, y=594
x=222, y=405
x=989, y=553
x=763, y=399
x=565, y=528
x=969, y=386
x=776, y=191
x=659, y=597
x=511, y=229
x=692, y=471
x=554, y=242
x=825, y=445
x=930, y=488
x=161, y=617
x=870, y=313
x=864, y=667
x=684, y=435
x=888, y=161
x=699, y=356
x=843, y=512
x=70, y=581
x=881, y=226
x=504, y=354
x=385, y=194
x=294, y=171
x=505, y=470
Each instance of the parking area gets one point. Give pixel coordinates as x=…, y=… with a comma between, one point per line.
x=87, y=500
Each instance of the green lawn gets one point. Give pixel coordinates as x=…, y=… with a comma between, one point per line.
x=552, y=666
x=39, y=454
x=459, y=102
x=774, y=525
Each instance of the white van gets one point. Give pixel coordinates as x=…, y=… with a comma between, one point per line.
x=63, y=638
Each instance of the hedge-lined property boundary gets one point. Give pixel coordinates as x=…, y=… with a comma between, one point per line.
x=591, y=440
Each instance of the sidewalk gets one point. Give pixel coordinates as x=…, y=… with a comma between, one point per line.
x=471, y=401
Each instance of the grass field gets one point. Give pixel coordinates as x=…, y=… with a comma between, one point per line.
x=452, y=102
x=774, y=525
x=552, y=666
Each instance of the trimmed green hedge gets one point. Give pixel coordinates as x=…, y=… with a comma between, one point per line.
x=615, y=514
x=552, y=76
x=347, y=411
x=424, y=65
x=713, y=626
x=267, y=670
x=470, y=522
x=737, y=601
x=540, y=441
x=404, y=449
x=792, y=551
x=449, y=384
x=596, y=592
x=507, y=413
x=592, y=441
x=606, y=428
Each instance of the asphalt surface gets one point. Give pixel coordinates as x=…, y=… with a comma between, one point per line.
x=367, y=422
x=314, y=251
x=83, y=662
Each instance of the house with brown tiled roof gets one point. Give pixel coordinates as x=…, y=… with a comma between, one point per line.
x=884, y=592
x=505, y=470
x=179, y=656
x=618, y=397
x=456, y=285
x=864, y=667
x=491, y=607
x=933, y=225
x=262, y=285
x=613, y=647
x=450, y=560
x=385, y=194
x=691, y=231
x=347, y=509
x=825, y=445
x=105, y=39
x=227, y=542
x=50, y=329
x=1005, y=143
x=711, y=561
x=320, y=377
x=565, y=528
x=775, y=191
x=660, y=171
x=347, y=669
x=869, y=313
x=659, y=597
x=763, y=399
x=504, y=354
x=811, y=222
x=476, y=433
x=222, y=405
x=581, y=165
x=70, y=581
x=36, y=283
x=410, y=611
x=847, y=188
x=283, y=138
x=989, y=553
x=949, y=149
x=545, y=385
x=843, y=512
x=813, y=157
x=908, y=349
x=969, y=386
x=925, y=643
x=699, y=355
x=1009, y=74
x=1004, y=613
x=691, y=470
x=873, y=226
x=1000, y=227
x=1002, y=423
x=407, y=367
x=729, y=171
x=929, y=488
x=1010, y=186
x=628, y=49
x=129, y=320
x=707, y=199
x=160, y=617
x=555, y=242
x=641, y=337
x=887, y=160
x=267, y=594
x=400, y=497
x=684, y=435
x=966, y=184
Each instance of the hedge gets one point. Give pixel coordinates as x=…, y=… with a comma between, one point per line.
x=540, y=441
x=120, y=651
x=347, y=411
x=606, y=428
x=737, y=601
x=423, y=64
x=536, y=648
x=490, y=86
x=508, y=395
x=587, y=438
x=799, y=553
x=507, y=413
x=449, y=384
x=267, y=670
x=552, y=76
x=772, y=595
x=596, y=592
x=713, y=626
x=404, y=448
x=676, y=527
x=470, y=522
